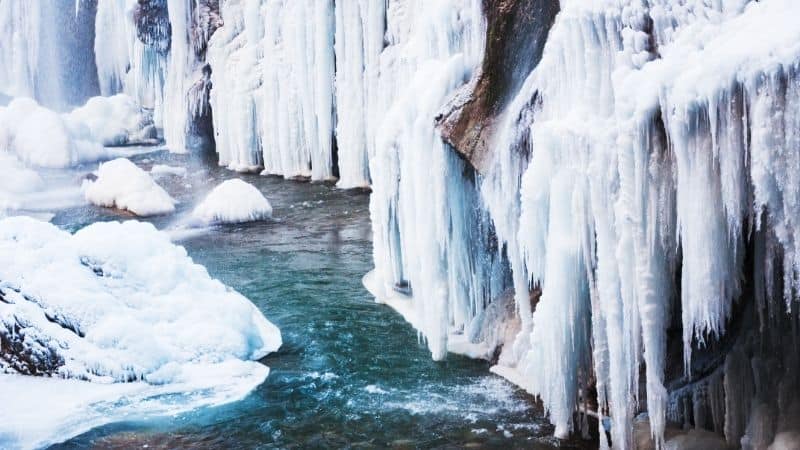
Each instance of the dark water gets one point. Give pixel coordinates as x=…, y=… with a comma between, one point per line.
x=351, y=373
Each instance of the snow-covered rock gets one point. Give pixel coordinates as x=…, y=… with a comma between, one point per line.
x=117, y=302
x=121, y=184
x=116, y=120
x=233, y=201
x=41, y=137
x=119, y=305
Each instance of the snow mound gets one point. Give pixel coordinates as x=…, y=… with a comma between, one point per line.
x=117, y=303
x=116, y=120
x=122, y=184
x=233, y=201
x=44, y=138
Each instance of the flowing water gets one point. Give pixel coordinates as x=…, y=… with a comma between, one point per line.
x=351, y=373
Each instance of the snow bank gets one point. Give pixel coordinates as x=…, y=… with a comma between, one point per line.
x=233, y=201
x=119, y=302
x=116, y=120
x=116, y=303
x=16, y=180
x=44, y=138
x=121, y=184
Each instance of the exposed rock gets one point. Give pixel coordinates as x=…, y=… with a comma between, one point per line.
x=515, y=36
x=152, y=24
x=205, y=22
x=200, y=129
x=24, y=349
x=201, y=124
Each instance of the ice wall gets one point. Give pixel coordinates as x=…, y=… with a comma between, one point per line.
x=359, y=41
x=662, y=144
x=297, y=87
x=273, y=75
x=432, y=240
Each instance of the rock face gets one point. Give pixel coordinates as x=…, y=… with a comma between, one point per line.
x=515, y=36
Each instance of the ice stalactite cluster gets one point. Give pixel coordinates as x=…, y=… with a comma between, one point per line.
x=131, y=48
x=273, y=87
x=47, y=53
x=154, y=51
x=296, y=87
x=429, y=233
x=359, y=41
x=179, y=65
x=662, y=152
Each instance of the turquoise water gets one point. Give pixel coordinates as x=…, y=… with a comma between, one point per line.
x=351, y=373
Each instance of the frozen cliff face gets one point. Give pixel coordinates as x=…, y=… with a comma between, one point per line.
x=431, y=238
x=656, y=200
x=295, y=87
x=131, y=48
x=47, y=52
x=359, y=41
x=273, y=100
x=155, y=52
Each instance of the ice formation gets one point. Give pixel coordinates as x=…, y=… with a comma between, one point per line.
x=163, y=169
x=428, y=231
x=643, y=182
x=41, y=137
x=273, y=72
x=233, y=201
x=122, y=184
x=661, y=147
x=119, y=305
x=639, y=208
x=116, y=120
x=43, y=57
